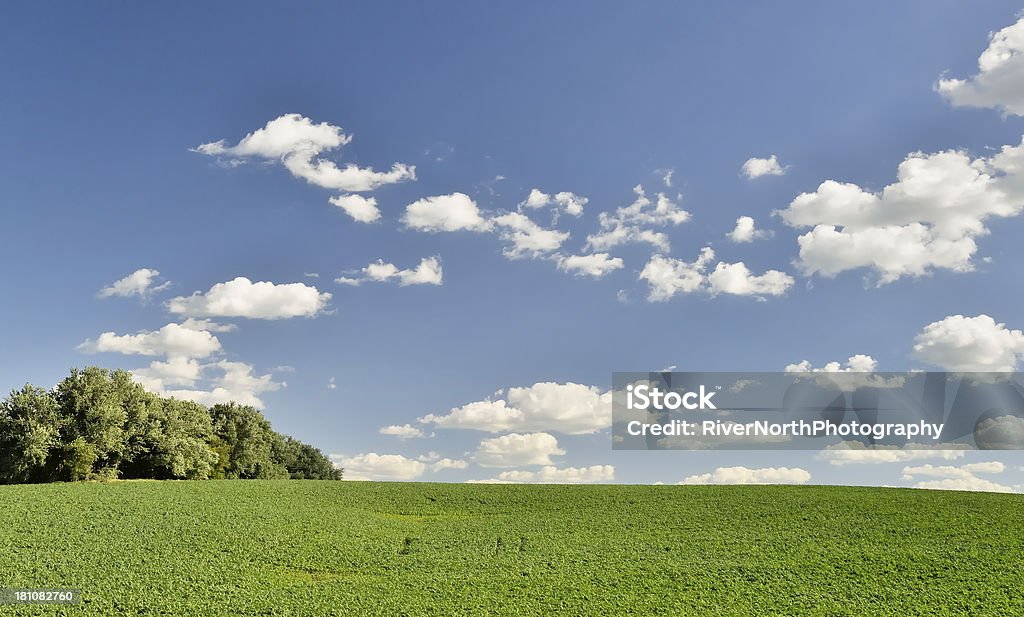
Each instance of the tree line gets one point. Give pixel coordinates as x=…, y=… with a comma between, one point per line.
x=98, y=424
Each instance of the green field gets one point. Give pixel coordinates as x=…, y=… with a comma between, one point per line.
x=349, y=548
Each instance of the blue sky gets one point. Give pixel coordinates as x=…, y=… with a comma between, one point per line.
x=102, y=174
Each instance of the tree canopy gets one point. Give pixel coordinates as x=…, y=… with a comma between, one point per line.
x=99, y=424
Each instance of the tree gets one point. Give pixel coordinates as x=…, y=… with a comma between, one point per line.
x=169, y=439
x=93, y=403
x=303, y=461
x=29, y=435
x=249, y=441
x=101, y=424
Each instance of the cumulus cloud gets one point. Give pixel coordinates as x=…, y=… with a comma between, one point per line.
x=526, y=238
x=667, y=277
x=858, y=363
x=746, y=231
x=373, y=466
x=856, y=453
x=568, y=408
x=243, y=298
x=567, y=202
x=550, y=474
x=299, y=144
x=737, y=279
x=176, y=371
x=402, y=431
x=224, y=382
x=950, y=471
x=745, y=475
x=362, y=209
x=208, y=325
x=448, y=463
x=632, y=224
x=594, y=265
x=141, y=283
x=999, y=82
x=856, y=373
x=930, y=218
x=454, y=212
x=756, y=167
x=953, y=478
x=517, y=450
x=959, y=343
x=428, y=272
x=171, y=340
x=964, y=484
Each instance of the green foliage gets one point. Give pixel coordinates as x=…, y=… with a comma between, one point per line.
x=250, y=442
x=101, y=425
x=303, y=461
x=30, y=428
x=369, y=548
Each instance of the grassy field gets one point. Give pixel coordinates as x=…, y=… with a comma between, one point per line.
x=349, y=548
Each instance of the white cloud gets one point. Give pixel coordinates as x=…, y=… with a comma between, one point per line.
x=950, y=471
x=667, y=277
x=858, y=363
x=959, y=343
x=856, y=453
x=999, y=82
x=453, y=212
x=745, y=475
x=331, y=384
x=929, y=218
x=235, y=382
x=243, y=298
x=965, y=484
x=299, y=143
x=428, y=272
x=632, y=223
x=526, y=238
x=960, y=478
x=517, y=450
x=176, y=371
x=746, y=231
x=756, y=167
x=208, y=325
x=856, y=373
x=170, y=340
x=594, y=265
x=402, y=431
x=140, y=283
x=738, y=280
x=568, y=408
x=549, y=474
x=373, y=466
x=570, y=203
x=447, y=463
x=666, y=176
x=362, y=209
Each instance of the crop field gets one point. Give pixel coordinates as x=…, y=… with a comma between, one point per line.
x=351, y=548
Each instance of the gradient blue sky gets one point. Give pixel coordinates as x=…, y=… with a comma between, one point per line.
x=103, y=105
